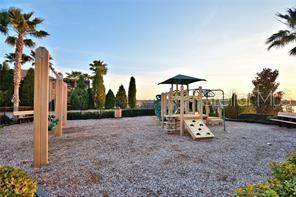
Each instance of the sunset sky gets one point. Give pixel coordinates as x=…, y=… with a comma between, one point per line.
x=152, y=40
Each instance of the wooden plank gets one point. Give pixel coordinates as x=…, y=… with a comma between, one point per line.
x=59, y=105
x=287, y=115
x=22, y=113
x=285, y=121
x=40, y=127
x=198, y=129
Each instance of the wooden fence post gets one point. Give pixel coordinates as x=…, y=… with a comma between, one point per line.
x=40, y=128
x=65, y=101
x=59, y=104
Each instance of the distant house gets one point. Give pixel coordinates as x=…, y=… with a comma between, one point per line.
x=147, y=104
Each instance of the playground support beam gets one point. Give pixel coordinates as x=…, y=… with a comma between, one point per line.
x=199, y=108
x=65, y=101
x=41, y=87
x=59, y=104
x=182, y=110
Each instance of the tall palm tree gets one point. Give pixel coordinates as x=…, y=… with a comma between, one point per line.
x=24, y=27
x=287, y=36
x=99, y=68
x=74, y=76
x=10, y=58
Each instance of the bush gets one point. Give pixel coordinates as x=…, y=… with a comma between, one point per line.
x=16, y=182
x=5, y=120
x=137, y=112
x=282, y=183
x=109, y=114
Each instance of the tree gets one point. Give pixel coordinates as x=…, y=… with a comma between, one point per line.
x=264, y=97
x=27, y=89
x=24, y=26
x=110, y=100
x=121, y=97
x=74, y=76
x=232, y=110
x=132, y=91
x=10, y=58
x=79, y=96
x=6, y=84
x=99, y=69
x=287, y=36
x=90, y=98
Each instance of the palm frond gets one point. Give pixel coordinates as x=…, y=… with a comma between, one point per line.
x=27, y=16
x=10, y=58
x=39, y=34
x=4, y=22
x=292, y=51
x=29, y=43
x=11, y=40
x=289, y=18
x=280, y=39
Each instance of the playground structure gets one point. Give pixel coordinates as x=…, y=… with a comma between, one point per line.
x=41, y=108
x=179, y=109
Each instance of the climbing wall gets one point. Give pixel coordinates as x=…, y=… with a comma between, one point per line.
x=198, y=129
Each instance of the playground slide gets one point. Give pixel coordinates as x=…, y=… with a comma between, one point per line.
x=198, y=129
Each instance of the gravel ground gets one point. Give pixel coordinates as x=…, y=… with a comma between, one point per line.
x=134, y=157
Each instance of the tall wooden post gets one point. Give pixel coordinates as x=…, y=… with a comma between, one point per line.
x=65, y=100
x=207, y=108
x=40, y=128
x=59, y=104
x=162, y=110
x=181, y=110
x=170, y=102
x=200, y=111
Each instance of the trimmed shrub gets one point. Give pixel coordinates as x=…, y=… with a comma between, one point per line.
x=109, y=114
x=282, y=183
x=5, y=120
x=16, y=182
x=137, y=112
x=110, y=100
x=121, y=99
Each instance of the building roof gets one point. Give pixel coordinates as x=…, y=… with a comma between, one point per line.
x=181, y=79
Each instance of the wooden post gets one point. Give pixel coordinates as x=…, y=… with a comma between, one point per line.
x=207, y=108
x=200, y=110
x=65, y=101
x=170, y=102
x=59, y=104
x=181, y=110
x=162, y=110
x=40, y=128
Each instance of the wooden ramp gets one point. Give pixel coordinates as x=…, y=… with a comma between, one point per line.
x=198, y=129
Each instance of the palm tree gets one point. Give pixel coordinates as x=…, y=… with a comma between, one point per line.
x=10, y=58
x=285, y=37
x=24, y=26
x=99, y=68
x=74, y=76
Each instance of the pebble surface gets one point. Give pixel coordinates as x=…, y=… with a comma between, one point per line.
x=134, y=157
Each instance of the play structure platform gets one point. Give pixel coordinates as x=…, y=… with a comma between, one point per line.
x=198, y=129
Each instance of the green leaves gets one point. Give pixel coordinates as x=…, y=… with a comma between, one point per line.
x=121, y=100
x=284, y=37
x=16, y=182
x=4, y=22
x=132, y=93
x=282, y=183
x=11, y=40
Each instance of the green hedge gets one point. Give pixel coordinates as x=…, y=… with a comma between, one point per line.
x=83, y=115
x=137, y=112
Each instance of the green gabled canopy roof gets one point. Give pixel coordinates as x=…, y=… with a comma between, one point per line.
x=181, y=79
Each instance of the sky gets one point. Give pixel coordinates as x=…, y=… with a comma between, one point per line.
x=152, y=40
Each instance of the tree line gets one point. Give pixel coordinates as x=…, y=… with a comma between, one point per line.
x=83, y=97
